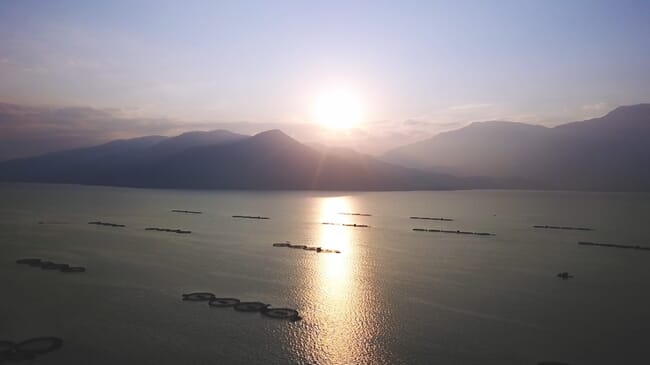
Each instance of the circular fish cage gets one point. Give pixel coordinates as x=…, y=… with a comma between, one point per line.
x=28, y=261
x=73, y=269
x=198, y=297
x=250, y=306
x=223, y=302
x=39, y=345
x=281, y=313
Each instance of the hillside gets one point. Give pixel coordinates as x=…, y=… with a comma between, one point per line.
x=610, y=153
x=267, y=161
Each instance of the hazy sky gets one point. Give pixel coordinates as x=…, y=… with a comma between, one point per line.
x=436, y=62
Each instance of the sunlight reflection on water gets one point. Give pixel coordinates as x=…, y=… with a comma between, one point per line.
x=344, y=319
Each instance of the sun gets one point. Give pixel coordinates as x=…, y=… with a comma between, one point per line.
x=337, y=109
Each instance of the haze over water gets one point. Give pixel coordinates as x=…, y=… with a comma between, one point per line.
x=393, y=296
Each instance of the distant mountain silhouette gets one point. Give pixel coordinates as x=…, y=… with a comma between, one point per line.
x=62, y=166
x=223, y=160
x=611, y=153
x=194, y=139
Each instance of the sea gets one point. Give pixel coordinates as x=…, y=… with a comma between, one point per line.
x=391, y=296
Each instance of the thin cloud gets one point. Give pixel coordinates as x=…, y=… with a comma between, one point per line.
x=597, y=107
x=470, y=106
x=30, y=130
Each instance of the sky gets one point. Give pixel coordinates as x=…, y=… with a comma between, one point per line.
x=416, y=67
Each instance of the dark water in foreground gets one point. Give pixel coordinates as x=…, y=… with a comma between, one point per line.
x=393, y=296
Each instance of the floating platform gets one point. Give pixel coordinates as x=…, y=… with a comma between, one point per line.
x=99, y=223
x=347, y=224
x=49, y=265
x=564, y=276
x=565, y=228
x=357, y=214
x=433, y=219
x=454, y=232
x=250, y=217
x=180, y=231
x=29, y=261
x=612, y=245
x=305, y=247
x=186, y=211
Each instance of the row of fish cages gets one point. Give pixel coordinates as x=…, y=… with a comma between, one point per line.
x=50, y=265
x=158, y=229
x=615, y=245
x=305, y=247
x=250, y=307
x=453, y=232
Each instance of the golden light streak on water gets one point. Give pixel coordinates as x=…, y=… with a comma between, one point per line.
x=346, y=324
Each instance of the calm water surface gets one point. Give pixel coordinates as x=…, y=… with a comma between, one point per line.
x=393, y=296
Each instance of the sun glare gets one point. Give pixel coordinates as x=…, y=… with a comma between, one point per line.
x=337, y=109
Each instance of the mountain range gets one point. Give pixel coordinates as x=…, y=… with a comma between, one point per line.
x=220, y=159
x=610, y=153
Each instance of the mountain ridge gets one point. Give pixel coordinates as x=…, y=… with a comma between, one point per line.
x=269, y=160
x=607, y=153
